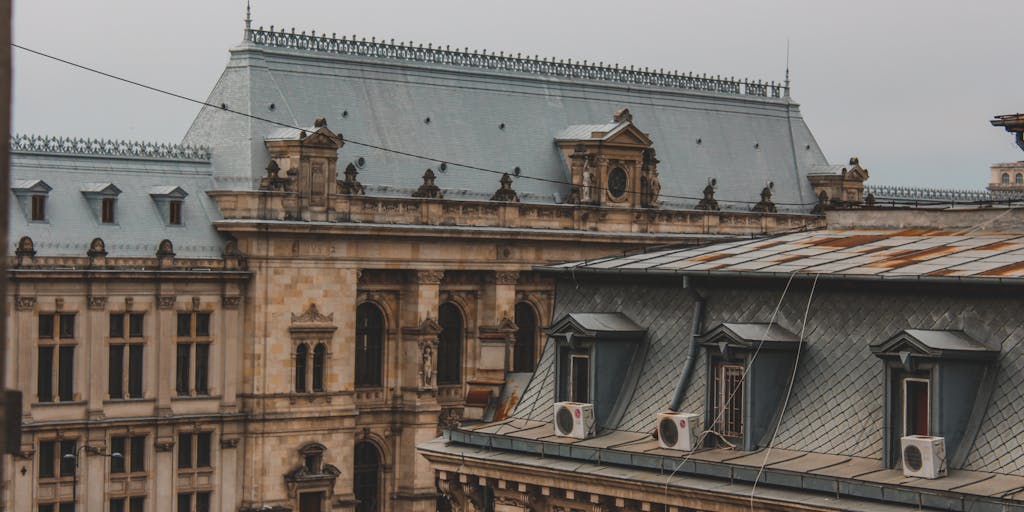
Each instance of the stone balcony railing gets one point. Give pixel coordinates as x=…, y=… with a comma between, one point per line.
x=282, y=206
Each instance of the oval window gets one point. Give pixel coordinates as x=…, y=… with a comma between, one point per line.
x=617, y=182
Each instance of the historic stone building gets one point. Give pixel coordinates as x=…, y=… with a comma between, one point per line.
x=1007, y=178
x=274, y=316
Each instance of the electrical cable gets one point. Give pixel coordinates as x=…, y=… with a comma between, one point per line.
x=789, y=392
x=224, y=108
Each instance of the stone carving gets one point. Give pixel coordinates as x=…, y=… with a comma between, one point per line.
x=428, y=189
x=164, y=445
x=622, y=115
x=450, y=417
x=506, y=277
x=26, y=248
x=505, y=193
x=22, y=303
x=97, y=248
x=165, y=249
x=507, y=62
x=166, y=301
x=58, y=304
x=350, y=185
x=273, y=180
x=230, y=302
x=819, y=208
x=766, y=205
x=427, y=364
x=870, y=200
x=708, y=202
x=312, y=315
x=103, y=147
x=587, y=186
x=429, y=276
x=128, y=303
x=229, y=442
x=650, y=183
x=97, y=302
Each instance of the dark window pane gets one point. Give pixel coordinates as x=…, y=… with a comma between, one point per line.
x=203, y=449
x=203, y=324
x=44, y=381
x=135, y=325
x=202, y=368
x=366, y=477
x=202, y=502
x=579, y=371
x=449, y=346
x=184, y=450
x=185, y=502
x=67, y=325
x=38, y=207
x=115, y=372
x=117, y=445
x=117, y=505
x=915, y=401
x=174, y=213
x=117, y=325
x=319, y=355
x=181, y=380
x=138, y=454
x=184, y=324
x=135, y=370
x=66, y=375
x=301, y=357
x=67, y=464
x=137, y=504
x=526, y=338
x=67, y=506
x=369, y=345
x=46, y=459
x=46, y=326
x=107, y=210
x=47, y=507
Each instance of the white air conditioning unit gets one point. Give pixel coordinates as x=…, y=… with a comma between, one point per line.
x=575, y=419
x=678, y=430
x=924, y=456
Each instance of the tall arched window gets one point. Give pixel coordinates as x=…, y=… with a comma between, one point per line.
x=369, y=345
x=449, y=345
x=1005, y=179
x=301, y=360
x=1018, y=179
x=366, y=477
x=526, y=338
x=319, y=357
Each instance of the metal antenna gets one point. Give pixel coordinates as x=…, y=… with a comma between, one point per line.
x=787, y=67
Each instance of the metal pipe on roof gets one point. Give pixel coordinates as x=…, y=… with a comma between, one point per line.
x=691, y=355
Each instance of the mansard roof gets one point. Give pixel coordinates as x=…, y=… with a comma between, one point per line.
x=500, y=112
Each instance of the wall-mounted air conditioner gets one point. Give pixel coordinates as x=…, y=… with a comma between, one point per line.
x=575, y=419
x=678, y=430
x=924, y=456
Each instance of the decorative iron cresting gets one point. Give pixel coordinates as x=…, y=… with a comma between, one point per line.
x=940, y=195
x=502, y=62
x=104, y=147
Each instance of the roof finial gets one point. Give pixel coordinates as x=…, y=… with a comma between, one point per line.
x=248, y=16
x=787, y=68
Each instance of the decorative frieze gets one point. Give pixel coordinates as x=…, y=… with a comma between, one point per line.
x=429, y=276
x=230, y=302
x=103, y=147
x=22, y=303
x=97, y=302
x=228, y=442
x=166, y=301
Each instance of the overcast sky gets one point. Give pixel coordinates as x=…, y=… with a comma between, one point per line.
x=908, y=86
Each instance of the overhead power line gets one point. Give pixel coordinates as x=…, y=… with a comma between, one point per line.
x=448, y=162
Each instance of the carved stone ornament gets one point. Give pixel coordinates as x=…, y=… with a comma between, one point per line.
x=427, y=363
x=229, y=442
x=230, y=302
x=22, y=303
x=650, y=183
x=350, y=185
x=166, y=301
x=505, y=192
x=429, y=276
x=312, y=315
x=506, y=277
x=96, y=248
x=164, y=445
x=165, y=249
x=97, y=302
x=708, y=202
x=273, y=181
x=428, y=189
x=26, y=248
x=765, y=205
x=450, y=417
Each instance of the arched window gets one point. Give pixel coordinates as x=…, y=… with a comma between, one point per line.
x=319, y=356
x=366, y=477
x=301, y=360
x=526, y=338
x=449, y=345
x=1018, y=179
x=1005, y=178
x=369, y=345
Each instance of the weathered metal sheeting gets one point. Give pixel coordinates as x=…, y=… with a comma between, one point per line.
x=881, y=253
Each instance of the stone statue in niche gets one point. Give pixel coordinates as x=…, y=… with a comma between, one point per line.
x=587, y=186
x=427, y=365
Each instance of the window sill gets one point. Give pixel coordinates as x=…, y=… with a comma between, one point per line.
x=136, y=475
x=112, y=401
x=195, y=397
x=57, y=404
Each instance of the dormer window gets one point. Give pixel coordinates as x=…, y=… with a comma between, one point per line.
x=170, y=202
x=102, y=199
x=32, y=196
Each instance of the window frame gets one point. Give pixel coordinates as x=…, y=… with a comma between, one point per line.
x=735, y=390
x=194, y=437
x=175, y=212
x=127, y=334
x=369, y=346
x=133, y=449
x=194, y=374
x=38, y=207
x=60, y=343
x=905, y=403
x=108, y=210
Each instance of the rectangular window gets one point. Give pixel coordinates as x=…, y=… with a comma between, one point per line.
x=44, y=379
x=107, y=210
x=117, y=325
x=67, y=464
x=203, y=449
x=38, y=207
x=202, y=502
x=202, y=368
x=118, y=445
x=46, y=326
x=137, y=454
x=174, y=213
x=184, y=451
x=66, y=373
x=181, y=381
x=728, y=400
x=115, y=372
x=67, y=326
x=47, y=459
x=185, y=325
x=133, y=454
x=915, y=407
x=185, y=502
x=66, y=506
x=203, y=325
x=135, y=370
x=137, y=504
x=135, y=325
x=579, y=378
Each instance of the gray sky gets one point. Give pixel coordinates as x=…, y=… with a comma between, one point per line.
x=908, y=86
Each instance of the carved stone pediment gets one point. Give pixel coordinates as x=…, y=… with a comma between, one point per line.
x=312, y=320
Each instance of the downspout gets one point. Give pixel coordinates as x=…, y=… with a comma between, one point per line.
x=691, y=356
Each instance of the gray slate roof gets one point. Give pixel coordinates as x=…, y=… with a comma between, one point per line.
x=72, y=222
x=744, y=141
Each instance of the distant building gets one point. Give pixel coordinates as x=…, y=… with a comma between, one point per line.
x=1008, y=178
x=853, y=370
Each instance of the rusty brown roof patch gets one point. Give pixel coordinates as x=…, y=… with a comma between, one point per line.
x=850, y=241
x=1005, y=270
x=941, y=272
x=767, y=245
x=912, y=257
x=994, y=246
x=785, y=259
x=710, y=257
